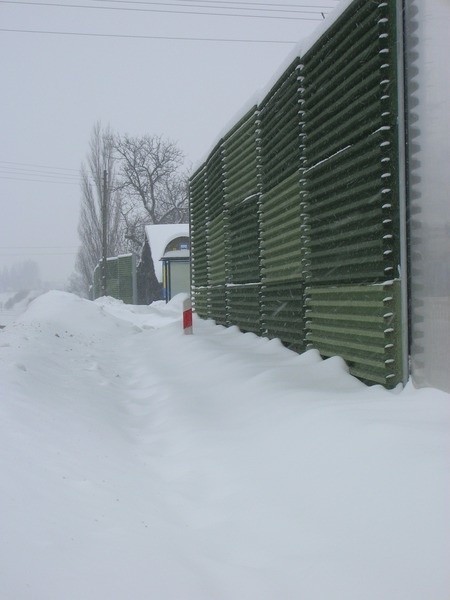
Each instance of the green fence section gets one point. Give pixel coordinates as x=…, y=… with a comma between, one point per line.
x=216, y=216
x=351, y=154
x=281, y=128
x=295, y=215
x=242, y=195
x=244, y=242
x=217, y=304
x=243, y=307
x=360, y=323
x=202, y=303
x=242, y=158
x=120, y=278
x=283, y=313
x=281, y=247
x=351, y=193
x=126, y=274
x=198, y=225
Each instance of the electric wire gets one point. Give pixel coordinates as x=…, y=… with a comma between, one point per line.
x=147, y=37
x=221, y=2
x=213, y=4
x=33, y=172
x=159, y=10
x=15, y=171
x=40, y=180
x=8, y=162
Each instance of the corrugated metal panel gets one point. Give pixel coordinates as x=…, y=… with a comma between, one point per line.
x=217, y=305
x=352, y=197
x=281, y=128
x=198, y=224
x=242, y=191
x=241, y=159
x=283, y=313
x=215, y=229
x=350, y=152
x=126, y=270
x=217, y=252
x=112, y=278
x=243, y=307
x=244, y=241
x=281, y=214
x=361, y=324
x=281, y=221
x=200, y=301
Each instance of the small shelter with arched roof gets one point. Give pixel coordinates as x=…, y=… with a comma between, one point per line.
x=164, y=268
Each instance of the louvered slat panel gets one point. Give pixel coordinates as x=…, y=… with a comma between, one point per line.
x=281, y=220
x=361, y=324
x=348, y=151
x=215, y=199
x=244, y=244
x=281, y=129
x=282, y=313
x=126, y=267
x=217, y=304
x=200, y=301
x=217, y=255
x=241, y=158
x=112, y=278
x=243, y=307
x=198, y=224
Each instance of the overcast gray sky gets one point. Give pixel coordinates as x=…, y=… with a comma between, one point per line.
x=55, y=87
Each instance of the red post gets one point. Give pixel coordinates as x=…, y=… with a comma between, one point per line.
x=187, y=316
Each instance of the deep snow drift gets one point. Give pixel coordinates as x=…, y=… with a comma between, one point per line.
x=139, y=463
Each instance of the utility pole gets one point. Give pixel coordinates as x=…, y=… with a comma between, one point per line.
x=104, y=231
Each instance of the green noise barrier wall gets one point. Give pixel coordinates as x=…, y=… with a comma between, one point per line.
x=120, y=278
x=295, y=215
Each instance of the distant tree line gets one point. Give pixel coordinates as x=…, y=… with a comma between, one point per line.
x=145, y=185
x=20, y=276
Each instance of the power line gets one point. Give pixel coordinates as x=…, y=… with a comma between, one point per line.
x=16, y=171
x=147, y=37
x=40, y=180
x=214, y=4
x=158, y=10
x=7, y=162
x=32, y=172
x=221, y=2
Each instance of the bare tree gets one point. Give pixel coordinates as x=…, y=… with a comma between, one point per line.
x=99, y=159
x=174, y=201
x=153, y=188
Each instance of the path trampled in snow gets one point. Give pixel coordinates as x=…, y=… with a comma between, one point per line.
x=140, y=463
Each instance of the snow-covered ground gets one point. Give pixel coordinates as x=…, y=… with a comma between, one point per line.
x=12, y=304
x=137, y=463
